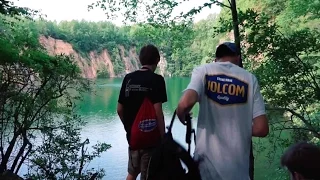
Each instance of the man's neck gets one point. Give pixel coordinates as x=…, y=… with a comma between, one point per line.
x=150, y=67
x=222, y=60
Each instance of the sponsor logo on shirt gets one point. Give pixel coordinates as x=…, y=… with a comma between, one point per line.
x=226, y=90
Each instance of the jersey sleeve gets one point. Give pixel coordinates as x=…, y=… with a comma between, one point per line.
x=258, y=102
x=121, y=98
x=159, y=93
x=196, y=82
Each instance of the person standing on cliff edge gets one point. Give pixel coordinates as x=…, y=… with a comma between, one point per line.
x=140, y=109
x=231, y=111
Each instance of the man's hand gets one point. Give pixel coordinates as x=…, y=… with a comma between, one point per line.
x=187, y=101
x=186, y=117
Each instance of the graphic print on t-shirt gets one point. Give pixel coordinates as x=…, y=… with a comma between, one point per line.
x=135, y=87
x=226, y=90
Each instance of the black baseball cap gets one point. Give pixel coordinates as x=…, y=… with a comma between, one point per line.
x=227, y=49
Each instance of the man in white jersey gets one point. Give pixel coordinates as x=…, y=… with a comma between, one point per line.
x=231, y=112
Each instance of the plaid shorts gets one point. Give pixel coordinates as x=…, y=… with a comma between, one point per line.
x=139, y=161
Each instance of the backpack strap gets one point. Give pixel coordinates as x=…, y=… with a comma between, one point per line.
x=189, y=132
x=171, y=123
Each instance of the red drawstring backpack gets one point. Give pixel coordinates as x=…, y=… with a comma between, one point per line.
x=144, y=131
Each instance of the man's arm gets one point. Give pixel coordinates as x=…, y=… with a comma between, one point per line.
x=160, y=118
x=260, y=126
x=191, y=95
x=120, y=111
x=187, y=101
x=159, y=97
x=121, y=100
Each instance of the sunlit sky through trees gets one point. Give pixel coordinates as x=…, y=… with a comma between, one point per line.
x=78, y=9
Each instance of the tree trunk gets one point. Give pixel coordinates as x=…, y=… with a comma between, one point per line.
x=236, y=31
x=3, y=165
x=20, y=153
x=24, y=157
x=237, y=40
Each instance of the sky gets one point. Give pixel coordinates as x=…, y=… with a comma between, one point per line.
x=77, y=9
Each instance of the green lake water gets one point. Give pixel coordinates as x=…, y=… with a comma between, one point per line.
x=98, y=108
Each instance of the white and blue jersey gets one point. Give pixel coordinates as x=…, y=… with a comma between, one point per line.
x=229, y=99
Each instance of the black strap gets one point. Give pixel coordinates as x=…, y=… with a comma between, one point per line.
x=171, y=123
x=189, y=132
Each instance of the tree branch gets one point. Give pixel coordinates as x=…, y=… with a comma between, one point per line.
x=3, y=164
x=48, y=173
x=230, y=3
x=291, y=128
x=196, y=10
x=25, y=156
x=221, y=4
x=305, y=121
x=313, y=77
x=82, y=158
x=46, y=127
x=93, y=177
x=20, y=153
x=279, y=122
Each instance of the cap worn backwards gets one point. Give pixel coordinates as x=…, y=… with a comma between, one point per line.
x=232, y=46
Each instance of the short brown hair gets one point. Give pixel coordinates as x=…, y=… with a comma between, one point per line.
x=149, y=55
x=303, y=158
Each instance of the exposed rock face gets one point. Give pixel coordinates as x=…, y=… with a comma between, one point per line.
x=163, y=65
x=101, y=60
x=131, y=61
x=89, y=66
x=94, y=62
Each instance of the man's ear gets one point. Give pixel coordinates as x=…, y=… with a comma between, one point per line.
x=238, y=59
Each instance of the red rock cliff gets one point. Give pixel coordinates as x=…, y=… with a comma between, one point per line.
x=94, y=62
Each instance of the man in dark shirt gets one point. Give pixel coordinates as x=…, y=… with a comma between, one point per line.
x=135, y=87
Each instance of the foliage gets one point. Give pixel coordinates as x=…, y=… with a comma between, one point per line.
x=85, y=36
x=63, y=155
x=8, y=8
x=103, y=73
x=288, y=71
x=37, y=98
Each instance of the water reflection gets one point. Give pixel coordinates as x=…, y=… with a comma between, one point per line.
x=99, y=109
